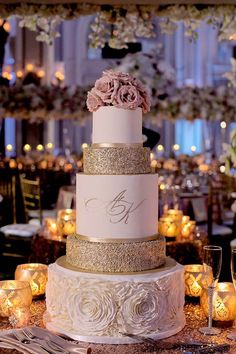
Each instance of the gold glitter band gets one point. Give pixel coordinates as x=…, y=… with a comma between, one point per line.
x=115, y=145
x=116, y=240
x=117, y=160
x=115, y=257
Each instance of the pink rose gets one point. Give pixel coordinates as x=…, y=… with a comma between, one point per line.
x=146, y=101
x=106, y=88
x=118, y=75
x=93, y=101
x=128, y=97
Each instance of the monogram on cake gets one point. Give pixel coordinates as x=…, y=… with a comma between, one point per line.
x=115, y=277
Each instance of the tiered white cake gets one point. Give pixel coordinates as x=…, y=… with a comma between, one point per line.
x=115, y=277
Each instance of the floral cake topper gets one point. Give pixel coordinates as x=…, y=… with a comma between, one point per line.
x=118, y=89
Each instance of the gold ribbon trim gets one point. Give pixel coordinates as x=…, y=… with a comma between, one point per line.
x=117, y=240
x=169, y=265
x=115, y=145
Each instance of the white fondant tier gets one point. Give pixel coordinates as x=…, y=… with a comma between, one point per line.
x=117, y=206
x=99, y=308
x=117, y=125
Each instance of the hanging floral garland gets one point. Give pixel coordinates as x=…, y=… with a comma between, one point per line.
x=39, y=103
x=119, y=25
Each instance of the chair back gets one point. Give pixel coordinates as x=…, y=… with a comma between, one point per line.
x=8, y=192
x=31, y=193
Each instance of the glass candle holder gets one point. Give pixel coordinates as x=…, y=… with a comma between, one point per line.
x=185, y=220
x=224, y=302
x=66, y=222
x=14, y=294
x=51, y=226
x=36, y=274
x=20, y=317
x=193, y=276
x=175, y=214
x=168, y=227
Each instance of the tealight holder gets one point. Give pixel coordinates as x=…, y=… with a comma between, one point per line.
x=51, y=226
x=175, y=214
x=224, y=304
x=14, y=294
x=66, y=222
x=168, y=227
x=193, y=276
x=36, y=274
x=20, y=317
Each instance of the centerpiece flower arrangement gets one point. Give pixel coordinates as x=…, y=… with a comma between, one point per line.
x=229, y=155
x=118, y=89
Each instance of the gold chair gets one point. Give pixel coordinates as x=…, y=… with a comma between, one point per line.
x=32, y=199
x=31, y=193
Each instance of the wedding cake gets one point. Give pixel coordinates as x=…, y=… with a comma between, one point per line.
x=115, y=278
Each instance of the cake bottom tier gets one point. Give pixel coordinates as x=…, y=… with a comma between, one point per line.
x=100, y=307
x=102, y=257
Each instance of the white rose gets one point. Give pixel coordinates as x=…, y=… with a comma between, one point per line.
x=141, y=308
x=91, y=307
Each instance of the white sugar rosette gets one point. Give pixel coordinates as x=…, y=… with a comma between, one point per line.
x=142, y=308
x=92, y=308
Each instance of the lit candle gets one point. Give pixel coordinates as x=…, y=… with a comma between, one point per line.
x=29, y=67
x=36, y=274
x=13, y=294
x=168, y=227
x=175, y=214
x=193, y=275
x=224, y=302
x=51, y=225
x=66, y=222
x=185, y=219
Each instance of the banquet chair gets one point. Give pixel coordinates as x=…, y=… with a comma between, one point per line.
x=31, y=193
x=15, y=239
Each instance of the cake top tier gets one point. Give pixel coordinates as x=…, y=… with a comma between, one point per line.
x=120, y=90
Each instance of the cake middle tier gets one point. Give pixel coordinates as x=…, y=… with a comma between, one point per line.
x=117, y=206
x=116, y=257
x=116, y=160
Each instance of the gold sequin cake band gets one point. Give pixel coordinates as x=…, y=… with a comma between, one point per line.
x=116, y=240
x=115, y=257
x=116, y=160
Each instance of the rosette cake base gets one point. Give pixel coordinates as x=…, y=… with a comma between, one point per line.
x=98, y=307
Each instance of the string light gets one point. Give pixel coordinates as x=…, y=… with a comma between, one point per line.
x=27, y=148
x=49, y=146
x=9, y=147
x=193, y=148
x=160, y=147
x=176, y=147
x=223, y=124
x=162, y=186
x=19, y=74
x=222, y=169
x=84, y=146
x=39, y=147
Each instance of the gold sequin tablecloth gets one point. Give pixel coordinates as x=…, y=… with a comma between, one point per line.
x=194, y=317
